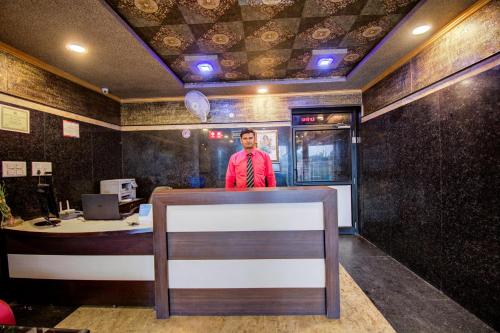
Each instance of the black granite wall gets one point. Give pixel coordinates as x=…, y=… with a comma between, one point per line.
x=430, y=174
x=77, y=164
x=157, y=158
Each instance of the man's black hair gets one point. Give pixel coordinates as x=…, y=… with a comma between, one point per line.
x=246, y=131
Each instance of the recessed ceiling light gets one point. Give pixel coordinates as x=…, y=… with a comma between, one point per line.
x=262, y=90
x=421, y=29
x=205, y=68
x=325, y=62
x=76, y=48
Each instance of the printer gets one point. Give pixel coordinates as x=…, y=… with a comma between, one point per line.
x=124, y=188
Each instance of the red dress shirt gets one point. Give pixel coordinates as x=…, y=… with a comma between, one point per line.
x=262, y=166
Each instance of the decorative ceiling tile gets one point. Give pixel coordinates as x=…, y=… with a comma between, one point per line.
x=221, y=37
x=326, y=33
x=144, y=13
x=384, y=7
x=271, y=34
x=256, y=10
x=232, y=60
x=260, y=39
x=260, y=61
x=235, y=76
x=369, y=29
x=299, y=59
x=209, y=11
x=172, y=39
x=322, y=8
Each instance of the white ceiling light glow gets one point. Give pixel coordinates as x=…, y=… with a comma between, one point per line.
x=262, y=90
x=76, y=48
x=421, y=29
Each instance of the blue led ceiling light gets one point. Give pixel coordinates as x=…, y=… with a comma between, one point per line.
x=325, y=59
x=205, y=68
x=324, y=62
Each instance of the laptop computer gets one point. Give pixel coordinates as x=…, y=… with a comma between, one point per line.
x=100, y=207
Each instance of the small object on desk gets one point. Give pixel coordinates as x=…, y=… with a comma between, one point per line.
x=68, y=213
x=145, y=213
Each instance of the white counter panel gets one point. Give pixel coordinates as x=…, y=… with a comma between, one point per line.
x=245, y=217
x=344, y=205
x=73, y=267
x=247, y=273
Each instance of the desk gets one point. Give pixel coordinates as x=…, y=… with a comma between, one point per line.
x=255, y=252
x=81, y=262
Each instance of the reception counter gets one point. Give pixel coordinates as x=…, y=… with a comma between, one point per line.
x=81, y=262
x=252, y=252
x=206, y=252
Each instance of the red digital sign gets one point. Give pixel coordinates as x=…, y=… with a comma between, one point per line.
x=215, y=135
x=307, y=119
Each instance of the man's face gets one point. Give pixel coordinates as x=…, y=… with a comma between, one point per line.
x=247, y=140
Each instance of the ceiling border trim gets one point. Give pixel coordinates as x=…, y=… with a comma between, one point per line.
x=251, y=83
x=467, y=73
x=54, y=70
x=452, y=24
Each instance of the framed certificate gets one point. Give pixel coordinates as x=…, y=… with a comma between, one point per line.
x=14, y=119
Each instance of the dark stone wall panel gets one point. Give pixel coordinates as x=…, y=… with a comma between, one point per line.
x=78, y=164
x=165, y=158
x=106, y=155
x=376, y=202
x=24, y=80
x=436, y=162
x=471, y=179
x=23, y=147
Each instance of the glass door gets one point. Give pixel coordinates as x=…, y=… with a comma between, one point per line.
x=322, y=155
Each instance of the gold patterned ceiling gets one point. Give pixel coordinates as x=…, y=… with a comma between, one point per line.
x=260, y=39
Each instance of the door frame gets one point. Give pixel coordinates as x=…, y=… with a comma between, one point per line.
x=355, y=111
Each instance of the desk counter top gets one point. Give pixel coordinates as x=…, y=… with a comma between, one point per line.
x=81, y=226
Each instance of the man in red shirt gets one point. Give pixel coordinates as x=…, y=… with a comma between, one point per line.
x=249, y=167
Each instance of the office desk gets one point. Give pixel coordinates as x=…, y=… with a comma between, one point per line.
x=81, y=262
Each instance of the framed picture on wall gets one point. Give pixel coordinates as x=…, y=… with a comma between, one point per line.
x=267, y=140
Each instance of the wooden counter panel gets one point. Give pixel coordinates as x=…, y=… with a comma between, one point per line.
x=267, y=301
x=246, y=245
x=73, y=292
x=119, y=243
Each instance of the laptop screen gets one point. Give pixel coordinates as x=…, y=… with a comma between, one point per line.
x=100, y=207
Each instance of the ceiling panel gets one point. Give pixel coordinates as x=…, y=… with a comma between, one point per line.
x=260, y=39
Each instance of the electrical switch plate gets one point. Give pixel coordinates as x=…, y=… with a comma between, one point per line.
x=41, y=168
x=13, y=169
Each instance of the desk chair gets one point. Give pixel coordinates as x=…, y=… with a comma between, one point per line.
x=6, y=314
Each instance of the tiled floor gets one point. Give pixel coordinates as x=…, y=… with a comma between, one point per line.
x=409, y=303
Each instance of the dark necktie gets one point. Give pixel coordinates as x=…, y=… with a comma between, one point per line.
x=249, y=171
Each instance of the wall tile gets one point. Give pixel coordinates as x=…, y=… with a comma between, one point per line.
x=436, y=162
x=471, y=179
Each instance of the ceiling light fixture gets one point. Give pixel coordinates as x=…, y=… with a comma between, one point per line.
x=421, y=29
x=325, y=62
x=205, y=68
x=76, y=48
x=262, y=90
